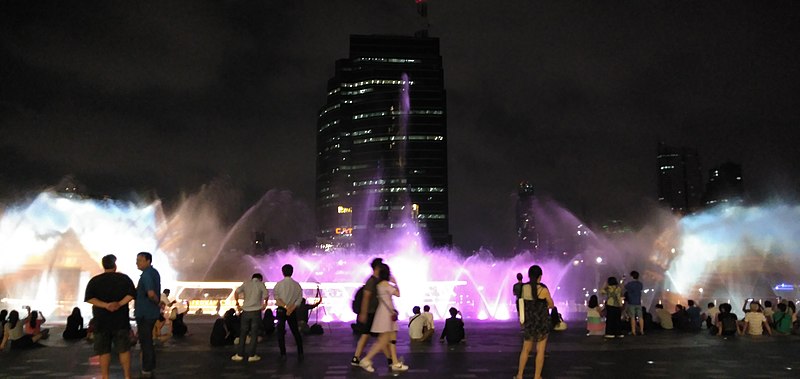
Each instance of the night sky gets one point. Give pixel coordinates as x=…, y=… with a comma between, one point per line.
x=164, y=97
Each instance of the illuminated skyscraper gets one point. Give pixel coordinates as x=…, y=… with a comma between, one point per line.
x=680, y=178
x=382, y=143
x=724, y=185
x=527, y=238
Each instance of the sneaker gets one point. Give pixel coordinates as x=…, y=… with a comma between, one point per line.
x=621, y=336
x=237, y=358
x=355, y=361
x=254, y=358
x=366, y=364
x=399, y=367
x=608, y=336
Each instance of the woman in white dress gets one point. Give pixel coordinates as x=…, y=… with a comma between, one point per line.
x=385, y=323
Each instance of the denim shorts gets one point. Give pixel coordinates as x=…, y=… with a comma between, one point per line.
x=121, y=340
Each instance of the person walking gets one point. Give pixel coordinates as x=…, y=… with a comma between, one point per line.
x=385, y=322
x=366, y=314
x=536, y=323
x=517, y=290
x=255, y=301
x=109, y=293
x=633, y=303
x=147, y=310
x=288, y=295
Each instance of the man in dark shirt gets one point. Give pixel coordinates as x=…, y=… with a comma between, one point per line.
x=147, y=310
x=633, y=302
x=453, y=328
x=109, y=293
x=517, y=289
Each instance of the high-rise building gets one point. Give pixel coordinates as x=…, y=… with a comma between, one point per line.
x=382, y=143
x=527, y=238
x=724, y=185
x=680, y=178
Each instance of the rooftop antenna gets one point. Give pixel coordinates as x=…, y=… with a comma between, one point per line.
x=422, y=10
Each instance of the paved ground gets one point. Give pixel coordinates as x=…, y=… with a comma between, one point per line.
x=491, y=351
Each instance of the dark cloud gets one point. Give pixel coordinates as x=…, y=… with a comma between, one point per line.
x=571, y=96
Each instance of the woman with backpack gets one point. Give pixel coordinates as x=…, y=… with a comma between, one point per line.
x=613, y=293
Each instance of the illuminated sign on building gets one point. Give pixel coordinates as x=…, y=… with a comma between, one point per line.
x=342, y=209
x=345, y=231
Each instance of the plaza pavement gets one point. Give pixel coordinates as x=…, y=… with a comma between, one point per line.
x=491, y=351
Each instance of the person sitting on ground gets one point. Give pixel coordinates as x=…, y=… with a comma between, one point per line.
x=695, y=321
x=3, y=315
x=223, y=333
x=782, y=320
x=754, y=322
x=268, y=322
x=14, y=336
x=303, y=311
x=663, y=318
x=710, y=317
x=790, y=308
x=90, y=329
x=418, y=329
x=594, y=321
x=453, y=328
x=726, y=321
x=680, y=319
x=33, y=324
x=556, y=321
x=426, y=312
x=74, y=329
x=647, y=319
x=768, y=312
x=179, y=328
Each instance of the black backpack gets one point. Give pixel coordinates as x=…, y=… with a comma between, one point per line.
x=357, y=299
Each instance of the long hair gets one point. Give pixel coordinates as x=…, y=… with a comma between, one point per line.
x=33, y=318
x=76, y=312
x=593, y=303
x=13, y=319
x=3, y=315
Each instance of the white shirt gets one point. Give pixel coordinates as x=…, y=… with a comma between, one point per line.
x=288, y=291
x=415, y=328
x=429, y=318
x=255, y=292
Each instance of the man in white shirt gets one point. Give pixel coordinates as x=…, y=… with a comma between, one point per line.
x=418, y=329
x=288, y=295
x=426, y=312
x=255, y=300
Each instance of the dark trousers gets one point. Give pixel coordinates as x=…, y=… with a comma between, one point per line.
x=292, y=320
x=251, y=320
x=144, y=328
x=613, y=320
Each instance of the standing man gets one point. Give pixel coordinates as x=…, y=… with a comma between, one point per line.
x=147, y=310
x=288, y=295
x=255, y=300
x=517, y=289
x=633, y=302
x=109, y=293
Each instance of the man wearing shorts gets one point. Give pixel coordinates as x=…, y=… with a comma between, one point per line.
x=369, y=304
x=633, y=302
x=109, y=293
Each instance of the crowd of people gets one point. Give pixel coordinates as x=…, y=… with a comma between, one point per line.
x=757, y=319
x=157, y=316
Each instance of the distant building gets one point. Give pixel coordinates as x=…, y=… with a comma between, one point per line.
x=527, y=237
x=680, y=178
x=382, y=143
x=724, y=185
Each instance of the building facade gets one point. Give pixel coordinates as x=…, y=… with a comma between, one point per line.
x=724, y=185
x=527, y=237
x=680, y=179
x=382, y=144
